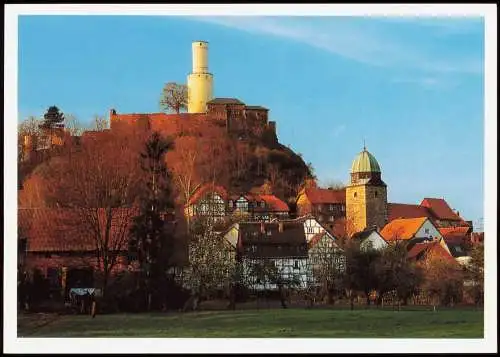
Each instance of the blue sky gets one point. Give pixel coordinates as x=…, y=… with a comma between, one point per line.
x=413, y=88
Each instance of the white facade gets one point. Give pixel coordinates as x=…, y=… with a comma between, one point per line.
x=312, y=227
x=429, y=230
x=374, y=240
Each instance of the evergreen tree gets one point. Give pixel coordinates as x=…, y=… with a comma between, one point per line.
x=52, y=118
x=151, y=236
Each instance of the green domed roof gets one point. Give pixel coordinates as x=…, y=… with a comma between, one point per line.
x=365, y=162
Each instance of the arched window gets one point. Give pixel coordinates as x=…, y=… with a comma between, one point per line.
x=355, y=194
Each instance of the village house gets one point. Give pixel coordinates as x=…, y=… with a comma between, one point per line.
x=58, y=244
x=420, y=252
x=292, y=247
x=436, y=209
x=214, y=201
x=370, y=238
x=327, y=205
x=413, y=231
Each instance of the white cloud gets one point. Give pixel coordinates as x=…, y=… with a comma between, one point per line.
x=352, y=39
x=427, y=82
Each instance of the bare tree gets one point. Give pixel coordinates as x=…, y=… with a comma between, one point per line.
x=99, y=123
x=186, y=157
x=475, y=274
x=28, y=133
x=72, y=125
x=327, y=264
x=99, y=183
x=174, y=97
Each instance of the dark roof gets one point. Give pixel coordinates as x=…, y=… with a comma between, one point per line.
x=255, y=107
x=290, y=242
x=361, y=236
x=225, y=101
x=456, y=250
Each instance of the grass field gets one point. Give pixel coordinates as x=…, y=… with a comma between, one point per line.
x=329, y=323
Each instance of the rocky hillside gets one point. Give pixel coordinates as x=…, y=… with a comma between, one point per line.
x=203, y=152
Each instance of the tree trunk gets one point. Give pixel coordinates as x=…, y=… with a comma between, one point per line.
x=399, y=305
x=352, y=302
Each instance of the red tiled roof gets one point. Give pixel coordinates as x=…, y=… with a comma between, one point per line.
x=422, y=250
x=404, y=228
x=323, y=195
x=440, y=209
x=65, y=230
x=455, y=230
x=207, y=188
x=455, y=234
x=402, y=210
x=274, y=203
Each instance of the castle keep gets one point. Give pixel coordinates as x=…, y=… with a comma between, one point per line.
x=238, y=118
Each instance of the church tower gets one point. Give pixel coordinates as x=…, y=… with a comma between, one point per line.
x=200, y=81
x=366, y=195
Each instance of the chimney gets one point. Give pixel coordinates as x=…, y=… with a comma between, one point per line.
x=262, y=228
x=280, y=227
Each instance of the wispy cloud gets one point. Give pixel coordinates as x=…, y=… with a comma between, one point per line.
x=360, y=40
x=433, y=83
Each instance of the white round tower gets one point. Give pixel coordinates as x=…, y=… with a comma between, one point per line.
x=200, y=81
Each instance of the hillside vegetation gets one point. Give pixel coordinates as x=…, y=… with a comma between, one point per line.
x=203, y=152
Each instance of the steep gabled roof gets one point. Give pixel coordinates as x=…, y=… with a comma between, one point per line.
x=361, y=236
x=291, y=241
x=64, y=230
x=455, y=234
x=319, y=236
x=205, y=189
x=421, y=251
x=403, y=210
x=440, y=208
x=323, y=195
x=404, y=228
x=274, y=203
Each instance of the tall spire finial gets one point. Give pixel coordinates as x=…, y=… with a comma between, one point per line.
x=364, y=145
